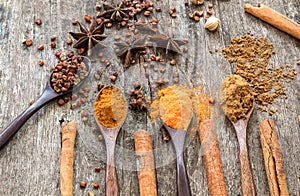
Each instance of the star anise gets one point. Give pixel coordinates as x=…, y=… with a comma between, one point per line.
x=115, y=13
x=129, y=48
x=87, y=39
x=168, y=42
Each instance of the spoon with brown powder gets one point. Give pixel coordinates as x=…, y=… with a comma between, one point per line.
x=237, y=102
x=76, y=69
x=110, y=110
x=176, y=113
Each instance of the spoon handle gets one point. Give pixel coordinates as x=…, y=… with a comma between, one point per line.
x=182, y=178
x=18, y=122
x=112, y=186
x=248, y=188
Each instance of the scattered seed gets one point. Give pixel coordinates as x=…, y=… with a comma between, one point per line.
x=60, y=102
x=97, y=169
x=96, y=185
x=31, y=102
x=173, y=62
x=112, y=78
x=100, y=137
x=69, y=41
x=88, y=18
x=90, y=193
x=210, y=5
x=41, y=47
x=41, y=63
x=82, y=184
x=210, y=12
x=53, y=45
x=28, y=42
x=38, y=21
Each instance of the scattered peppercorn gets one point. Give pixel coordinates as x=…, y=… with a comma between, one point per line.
x=82, y=184
x=69, y=41
x=38, y=21
x=41, y=47
x=31, y=102
x=41, y=63
x=53, y=38
x=96, y=185
x=173, y=62
x=53, y=45
x=88, y=18
x=27, y=42
x=97, y=169
x=60, y=102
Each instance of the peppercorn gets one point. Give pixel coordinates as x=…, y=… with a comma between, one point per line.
x=210, y=12
x=53, y=45
x=100, y=137
x=97, y=169
x=38, y=21
x=147, y=13
x=82, y=184
x=60, y=102
x=69, y=41
x=53, y=38
x=28, y=42
x=173, y=62
x=210, y=5
x=88, y=18
x=41, y=47
x=31, y=102
x=96, y=185
x=41, y=63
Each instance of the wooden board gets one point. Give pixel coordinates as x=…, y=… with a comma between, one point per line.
x=30, y=161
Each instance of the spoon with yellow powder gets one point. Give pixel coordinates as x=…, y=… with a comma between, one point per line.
x=176, y=112
x=110, y=110
x=237, y=102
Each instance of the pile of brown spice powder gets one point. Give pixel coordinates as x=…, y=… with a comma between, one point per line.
x=251, y=56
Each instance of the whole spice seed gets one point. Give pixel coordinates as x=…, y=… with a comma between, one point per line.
x=38, y=22
x=69, y=42
x=53, y=45
x=97, y=169
x=88, y=18
x=236, y=98
x=96, y=185
x=82, y=184
x=110, y=107
x=53, y=38
x=41, y=63
x=41, y=47
x=27, y=42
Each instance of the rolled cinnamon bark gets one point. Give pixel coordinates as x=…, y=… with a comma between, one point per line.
x=212, y=158
x=146, y=169
x=67, y=158
x=273, y=158
x=274, y=18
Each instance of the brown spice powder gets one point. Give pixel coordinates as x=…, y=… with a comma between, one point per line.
x=110, y=107
x=250, y=56
x=235, y=97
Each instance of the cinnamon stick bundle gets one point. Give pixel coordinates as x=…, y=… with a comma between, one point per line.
x=146, y=170
x=67, y=158
x=212, y=158
x=273, y=158
x=274, y=18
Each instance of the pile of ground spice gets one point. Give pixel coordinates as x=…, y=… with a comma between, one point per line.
x=174, y=107
x=251, y=56
x=110, y=107
x=236, y=98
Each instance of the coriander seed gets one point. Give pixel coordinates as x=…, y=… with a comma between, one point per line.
x=41, y=47
x=82, y=184
x=38, y=21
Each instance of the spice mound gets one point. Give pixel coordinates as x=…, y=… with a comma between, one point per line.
x=69, y=71
x=110, y=107
x=174, y=107
x=236, y=97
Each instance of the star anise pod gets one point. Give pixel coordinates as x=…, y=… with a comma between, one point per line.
x=168, y=42
x=129, y=48
x=87, y=39
x=115, y=12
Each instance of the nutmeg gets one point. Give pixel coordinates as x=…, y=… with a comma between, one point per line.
x=212, y=23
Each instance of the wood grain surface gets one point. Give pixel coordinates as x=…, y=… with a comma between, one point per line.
x=29, y=163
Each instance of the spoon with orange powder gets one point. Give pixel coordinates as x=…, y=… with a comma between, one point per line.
x=176, y=112
x=110, y=110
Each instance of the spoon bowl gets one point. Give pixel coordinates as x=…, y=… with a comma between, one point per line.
x=110, y=135
x=48, y=95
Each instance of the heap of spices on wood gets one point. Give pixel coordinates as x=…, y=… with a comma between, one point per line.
x=138, y=101
x=87, y=39
x=110, y=107
x=250, y=57
x=69, y=71
x=173, y=106
x=236, y=97
x=168, y=42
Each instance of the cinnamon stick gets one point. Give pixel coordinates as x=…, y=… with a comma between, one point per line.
x=212, y=158
x=274, y=18
x=146, y=170
x=273, y=158
x=67, y=158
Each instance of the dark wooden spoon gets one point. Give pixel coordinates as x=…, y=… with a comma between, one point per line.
x=240, y=126
x=178, y=138
x=47, y=96
x=110, y=137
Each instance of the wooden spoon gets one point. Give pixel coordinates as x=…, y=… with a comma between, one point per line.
x=240, y=126
x=110, y=137
x=47, y=96
x=178, y=138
